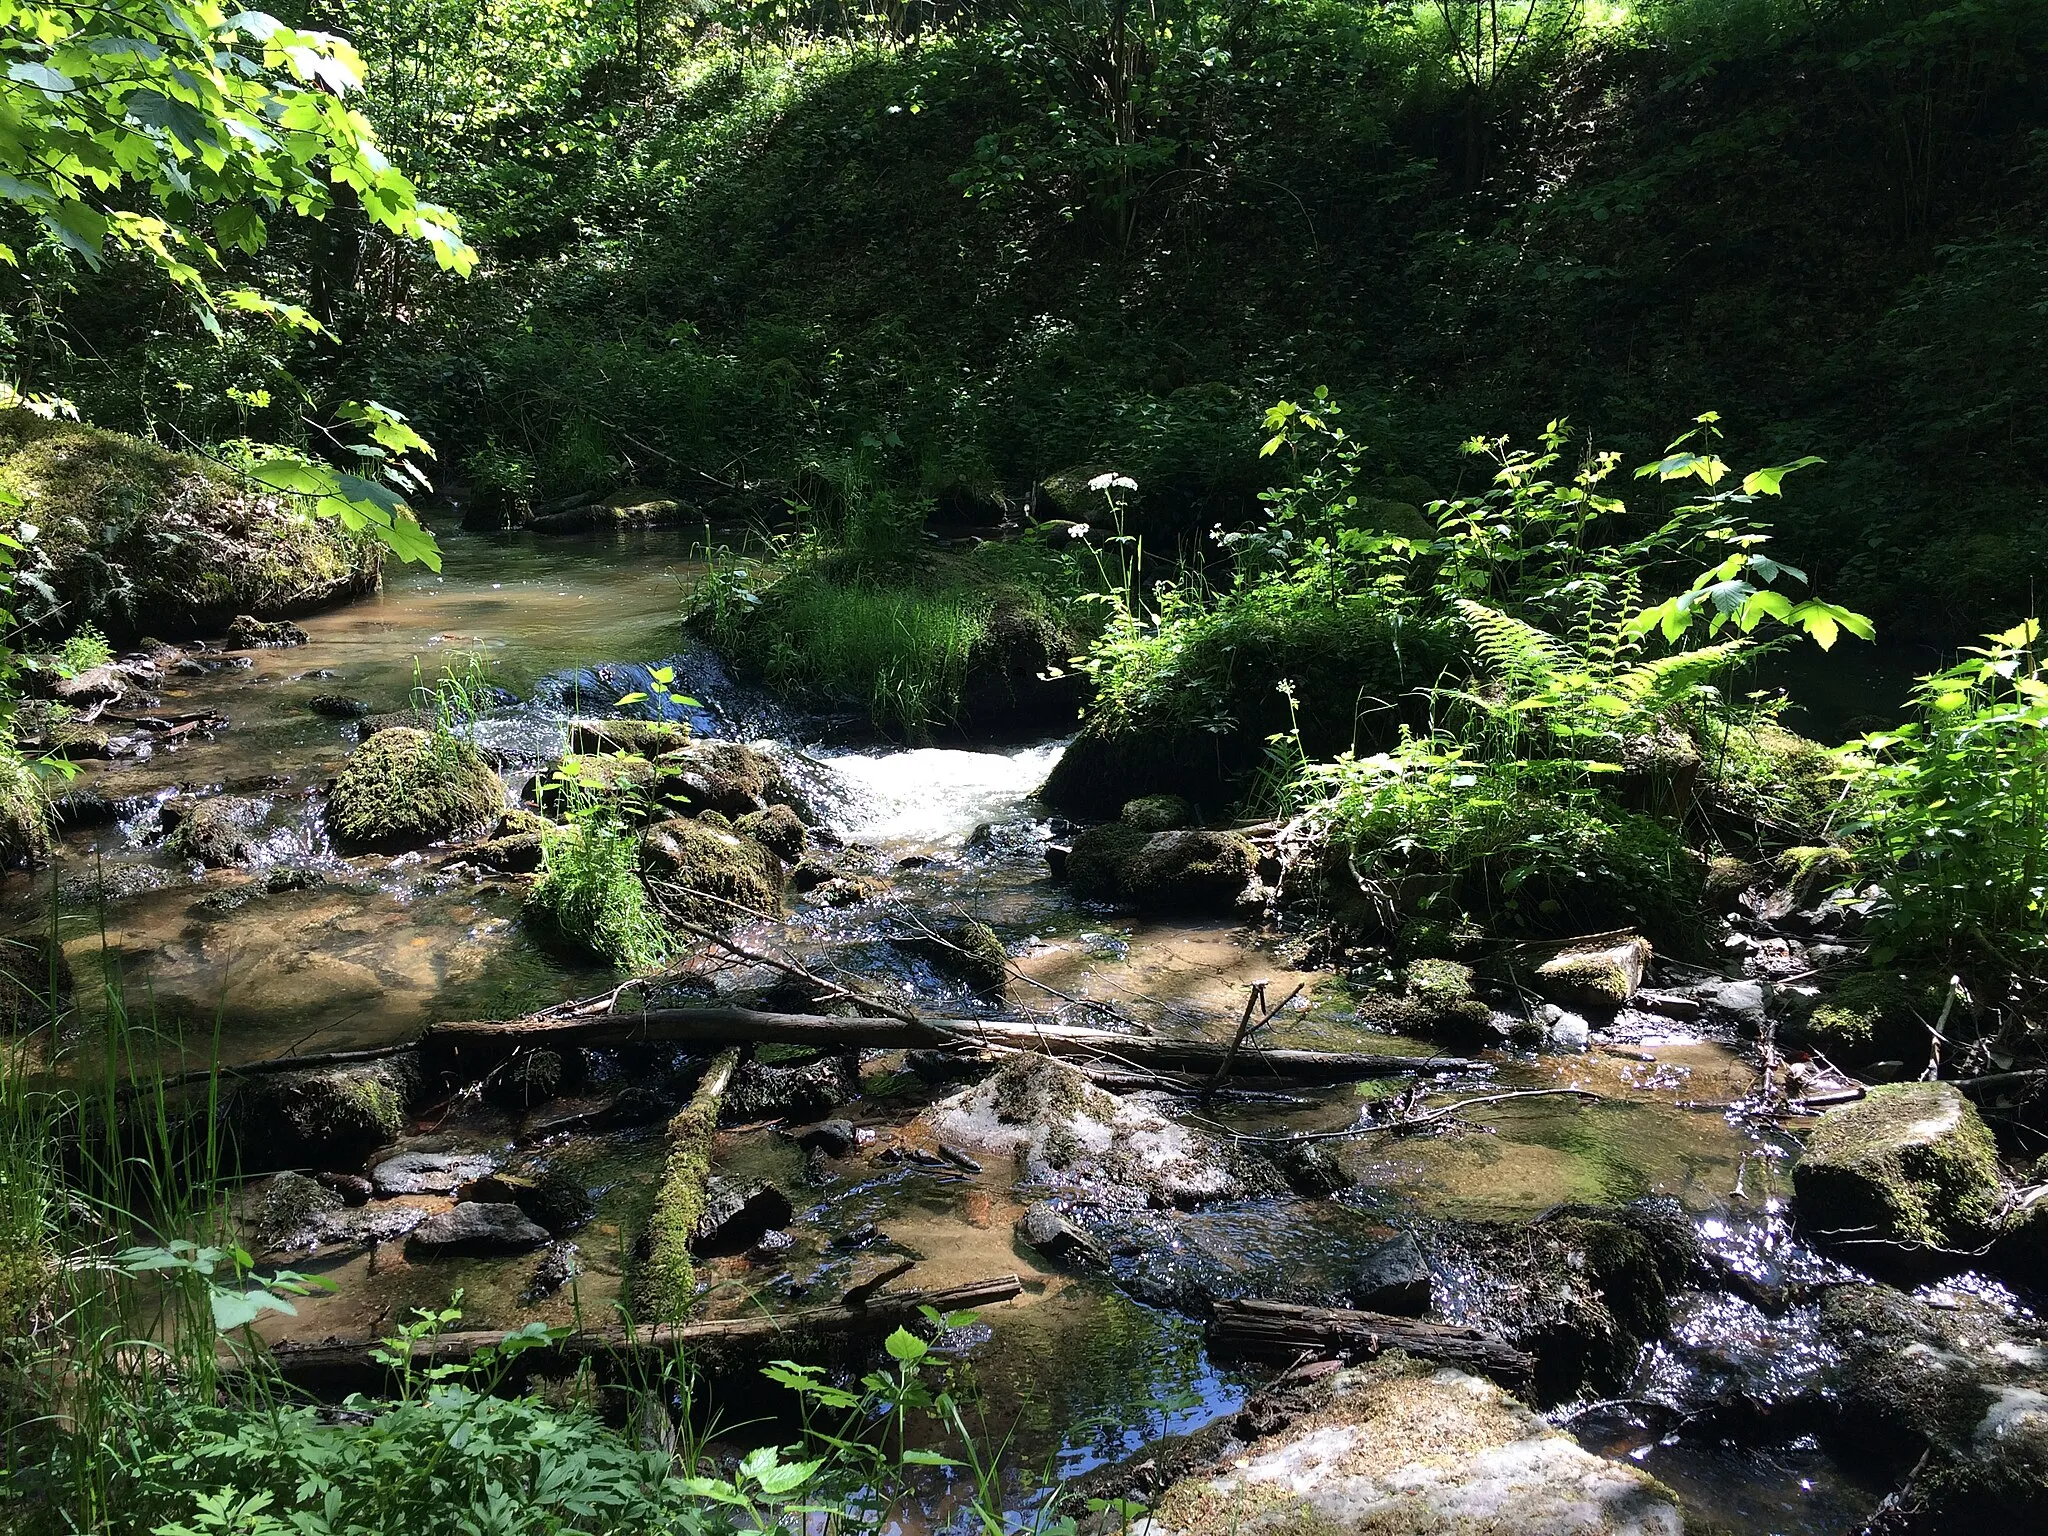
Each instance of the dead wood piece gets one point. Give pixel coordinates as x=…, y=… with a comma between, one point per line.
x=670, y=1280
x=717, y=1027
x=1278, y=1330
x=353, y=1365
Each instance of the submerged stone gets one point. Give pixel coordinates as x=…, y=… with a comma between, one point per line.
x=1907, y=1169
x=429, y=1173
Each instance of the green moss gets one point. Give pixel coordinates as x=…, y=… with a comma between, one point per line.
x=215, y=832
x=1910, y=1164
x=1190, y=871
x=1876, y=1015
x=705, y=874
x=648, y=738
x=404, y=789
x=1603, y=978
x=1439, y=983
x=1157, y=813
x=134, y=536
x=1810, y=873
x=1099, y=861
x=1775, y=784
x=669, y=1282
x=24, y=814
x=777, y=829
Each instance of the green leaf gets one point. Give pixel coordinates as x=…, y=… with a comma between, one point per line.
x=1766, y=482
x=906, y=1346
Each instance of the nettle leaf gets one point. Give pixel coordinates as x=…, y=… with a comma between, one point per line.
x=1767, y=482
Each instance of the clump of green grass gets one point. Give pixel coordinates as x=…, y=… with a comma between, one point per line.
x=589, y=896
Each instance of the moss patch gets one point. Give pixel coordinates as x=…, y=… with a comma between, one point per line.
x=24, y=815
x=404, y=789
x=700, y=873
x=1776, y=785
x=135, y=537
x=1910, y=1164
x=1880, y=1015
x=669, y=1283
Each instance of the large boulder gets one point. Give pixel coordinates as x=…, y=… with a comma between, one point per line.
x=1401, y=1447
x=1907, y=1170
x=134, y=537
x=405, y=788
x=1951, y=1391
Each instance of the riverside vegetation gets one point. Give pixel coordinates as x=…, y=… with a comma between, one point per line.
x=1001, y=374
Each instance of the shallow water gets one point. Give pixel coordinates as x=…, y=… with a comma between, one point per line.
x=380, y=946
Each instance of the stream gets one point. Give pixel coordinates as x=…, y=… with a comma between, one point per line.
x=301, y=950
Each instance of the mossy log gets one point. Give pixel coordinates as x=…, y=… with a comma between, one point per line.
x=669, y=1283
x=351, y=1366
x=1278, y=1330
x=714, y=1028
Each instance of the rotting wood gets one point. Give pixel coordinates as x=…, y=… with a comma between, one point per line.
x=712, y=1028
x=353, y=1365
x=669, y=1282
x=1279, y=1330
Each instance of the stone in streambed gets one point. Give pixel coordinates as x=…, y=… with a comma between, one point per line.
x=737, y=1214
x=322, y=1117
x=778, y=829
x=429, y=1173
x=1908, y=1169
x=966, y=950
x=215, y=832
x=1180, y=871
x=476, y=1227
x=1601, y=978
x=701, y=872
x=645, y=738
x=404, y=788
x=1058, y=1239
x=249, y=633
x=337, y=706
x=1400, y=1447
x=1394, y=1277
x=551, y=1196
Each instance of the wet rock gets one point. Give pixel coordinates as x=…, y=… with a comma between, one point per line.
x=1017, y=681
x=723, y=776
x=1439, y=1000
x=1058, y=1239
x=966, y=950
x=525, y=1079
x=1402, y=1447
x=699, y=873
x=1394, y=1277
x=322, y=1118
x=809, y=874
x=366, y=1225
x=772, y=1247
x=799, y=1092
x=404, y=789
x=216, y=832
x=429, y=1173
x=1875, y=1015
x=1313, y=1169
x=291, y=1205
x=551, y=1196
x=843, y=891
x=1067, y=1134
x=1951, y=1391
x=646, y=738
x=337, y=706
x=353, y=1188
x=737, y=1214
x=777, y=829
x=1908, y=1169
x=1184, y=871
x=475, y=1228
x=557, y=1267
x=1158, y=813
x=1600, y=978
x=835, y=1138
x=946, y=1066
x=288, y=877
x=1742, y=1001
x=520, y=854
x=1566, y=1031
x=248, y=633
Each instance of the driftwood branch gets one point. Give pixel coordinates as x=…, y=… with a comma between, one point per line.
x=1278, y=1330
x=715, y=1028
x=354, y=1365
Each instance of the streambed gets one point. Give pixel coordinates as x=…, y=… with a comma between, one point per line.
x=349, y=953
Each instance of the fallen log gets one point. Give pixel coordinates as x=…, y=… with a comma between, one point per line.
x=1278, y=1330
x=714, y=1028
x=357, y=1365
x=669, y=1283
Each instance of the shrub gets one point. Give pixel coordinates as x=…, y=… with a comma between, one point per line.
x=588, y=895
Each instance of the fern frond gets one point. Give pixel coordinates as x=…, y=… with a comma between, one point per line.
x=1662, y=680
x=1513, y=649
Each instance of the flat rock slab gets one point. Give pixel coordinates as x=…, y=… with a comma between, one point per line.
x=1397, y=1447
x=429, y=1173
x=476, y=1227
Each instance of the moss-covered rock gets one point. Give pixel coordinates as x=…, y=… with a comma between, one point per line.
x=649, y=738
x=1908, y=1168
x=404, y=789
x=1875, y=1015
x=701, y=873
x=728, y=777
x=24, y=815
x=1157, y=813
x=134, y=536
x=1600, y=978
x=968, y=950
x=322, y=1118
x=1438, y=1001
x=1174, y=871
x=777, y=829
x=1809, y=874
x=216, y=832
x=1776, y=785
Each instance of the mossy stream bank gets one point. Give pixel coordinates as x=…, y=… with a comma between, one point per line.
x=1639, y=1240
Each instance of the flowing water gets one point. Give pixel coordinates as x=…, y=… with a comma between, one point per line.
x=369, y=949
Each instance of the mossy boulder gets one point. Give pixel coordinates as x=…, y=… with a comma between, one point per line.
x=1157, y=813
x=648, y=738
x=1876, y=1015
x=1908, y=1169
x=322, y=1118
x=405, y=788
x=1173, y=871
x=777, y=829
x=1438, y=1000
x=134, y=535
x=967, y=950
x=1776, y=784
x=727, y=777
x=706, y=874
x=216, y=832
x=1598, y=977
